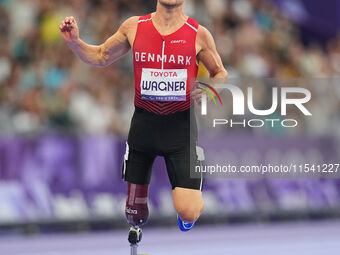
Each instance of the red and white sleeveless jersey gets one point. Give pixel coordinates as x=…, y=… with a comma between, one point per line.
x=164, y=67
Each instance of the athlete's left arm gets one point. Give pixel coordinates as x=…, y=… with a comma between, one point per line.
x=208, y=55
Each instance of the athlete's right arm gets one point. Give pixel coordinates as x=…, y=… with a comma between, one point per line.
x=102, y=55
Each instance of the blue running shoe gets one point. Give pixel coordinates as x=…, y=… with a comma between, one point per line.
x=184, y=226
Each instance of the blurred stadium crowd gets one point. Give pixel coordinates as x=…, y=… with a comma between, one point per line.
x=44, y=86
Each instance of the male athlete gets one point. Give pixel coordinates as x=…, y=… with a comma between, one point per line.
x=167, y=45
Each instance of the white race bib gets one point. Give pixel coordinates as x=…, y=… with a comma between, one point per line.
x=164, y=85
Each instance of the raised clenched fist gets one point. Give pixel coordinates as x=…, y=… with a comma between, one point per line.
x=69, y=30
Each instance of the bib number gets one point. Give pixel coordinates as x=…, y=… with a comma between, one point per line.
x=164, y=85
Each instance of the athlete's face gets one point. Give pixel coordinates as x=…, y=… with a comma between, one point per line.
x=171, y=3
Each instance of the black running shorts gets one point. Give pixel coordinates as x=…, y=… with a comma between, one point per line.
x=168, y=136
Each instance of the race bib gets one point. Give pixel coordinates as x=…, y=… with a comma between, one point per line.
x=164, y=85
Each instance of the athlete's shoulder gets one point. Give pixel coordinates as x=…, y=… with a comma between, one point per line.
x=204, y=39
x=203, y=32
x=129, y=24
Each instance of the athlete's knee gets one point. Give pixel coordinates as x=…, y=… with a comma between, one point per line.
x=136, y=210
x=190, y=212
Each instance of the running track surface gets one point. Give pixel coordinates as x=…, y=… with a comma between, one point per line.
x=322, y=238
